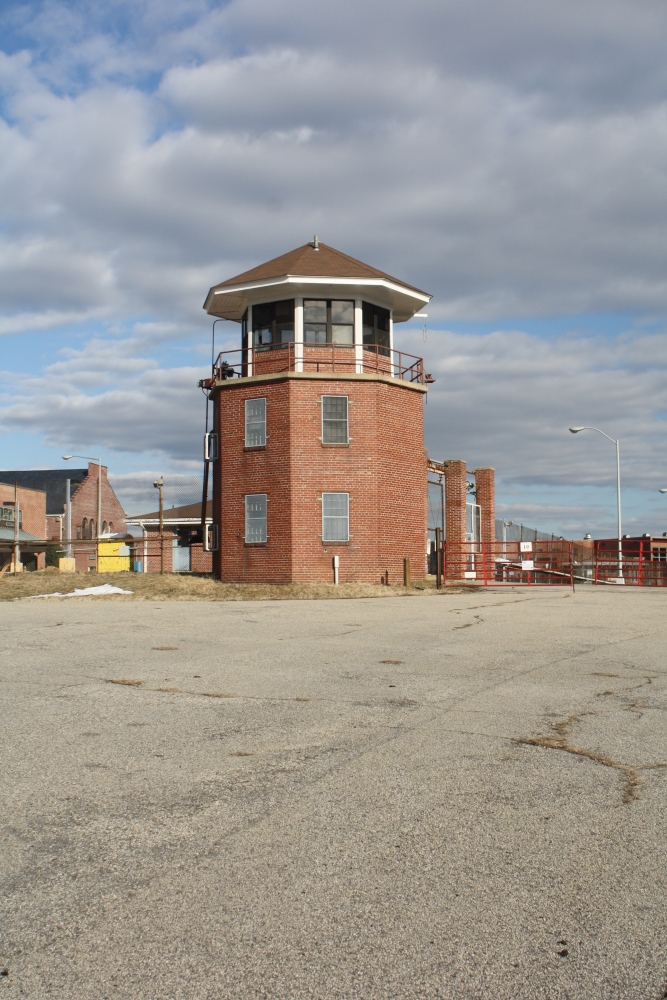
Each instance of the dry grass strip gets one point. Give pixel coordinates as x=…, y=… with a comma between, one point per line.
x=174, y=587
x=560, y=740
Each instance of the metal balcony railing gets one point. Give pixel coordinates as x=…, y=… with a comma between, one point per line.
x=339, y=358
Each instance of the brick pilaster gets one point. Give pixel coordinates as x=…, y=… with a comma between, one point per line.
x=486, y=498
x=455, y=516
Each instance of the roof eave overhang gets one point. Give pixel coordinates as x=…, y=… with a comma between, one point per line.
x=231, y=301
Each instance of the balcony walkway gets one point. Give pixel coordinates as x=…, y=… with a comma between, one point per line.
x=340, y=358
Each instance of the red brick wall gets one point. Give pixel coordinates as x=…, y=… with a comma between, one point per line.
x=383, y=468
x=200, y=561
x=455, y=514
x=33, y=505
x=486, y=498
x=54, y=526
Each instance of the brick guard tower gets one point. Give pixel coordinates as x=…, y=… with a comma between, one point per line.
x=319, y=421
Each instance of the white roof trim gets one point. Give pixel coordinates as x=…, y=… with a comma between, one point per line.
x=322, y=280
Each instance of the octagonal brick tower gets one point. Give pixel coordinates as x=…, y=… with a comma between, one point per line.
x=319, y=425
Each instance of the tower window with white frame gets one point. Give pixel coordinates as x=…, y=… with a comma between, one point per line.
x=335, y=426
x=335, y=517
x=255, y=518
x=255, y=422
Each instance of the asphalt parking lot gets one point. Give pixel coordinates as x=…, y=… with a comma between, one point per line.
x=458, y=796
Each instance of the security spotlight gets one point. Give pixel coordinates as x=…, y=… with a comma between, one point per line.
x=159, y=482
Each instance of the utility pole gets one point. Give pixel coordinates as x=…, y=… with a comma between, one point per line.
x=159, y=484
x=17, y=551
x=68, y=518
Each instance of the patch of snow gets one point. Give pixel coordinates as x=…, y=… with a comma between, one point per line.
x=100, y=591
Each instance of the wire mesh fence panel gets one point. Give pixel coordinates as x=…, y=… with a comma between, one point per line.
x=139, y=497
x=148, y=552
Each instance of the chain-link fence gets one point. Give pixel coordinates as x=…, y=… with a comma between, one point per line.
x=139, y=497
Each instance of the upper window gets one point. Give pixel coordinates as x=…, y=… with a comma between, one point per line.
x=335, y=517
x=328, y=321
x=255, y=517
x=375, y=326
x=273, y=323
x=334, y=420
x=255, y=423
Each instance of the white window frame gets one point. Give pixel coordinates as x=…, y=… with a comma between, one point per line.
x=327, y=517
x=250, y=421
x=347, y=418
x=263, y=535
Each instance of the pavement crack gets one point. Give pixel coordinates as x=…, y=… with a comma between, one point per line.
x=560, y=740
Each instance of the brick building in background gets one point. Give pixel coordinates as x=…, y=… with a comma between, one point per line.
x=321, y=467
x=83, y=493
x=182, y=549
x=32, y=524
x=31, y=502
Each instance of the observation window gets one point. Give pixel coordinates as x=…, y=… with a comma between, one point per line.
x=273, y=323
x=375, y=327
x=328, y=321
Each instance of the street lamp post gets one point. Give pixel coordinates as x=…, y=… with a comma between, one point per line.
x=576, y=430
x=67, y=458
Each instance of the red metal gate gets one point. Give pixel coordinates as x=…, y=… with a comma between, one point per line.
x=509, y=563
x=642, y=562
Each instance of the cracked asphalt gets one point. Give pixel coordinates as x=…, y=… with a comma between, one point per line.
x=457, y=796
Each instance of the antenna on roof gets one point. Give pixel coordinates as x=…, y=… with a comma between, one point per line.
x=316, y=244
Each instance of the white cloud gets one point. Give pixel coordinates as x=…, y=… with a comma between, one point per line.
x=473, y=179
x=506, y=399
x=509, y=158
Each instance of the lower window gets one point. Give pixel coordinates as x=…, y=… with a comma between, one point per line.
x=335, y=517
x=255, y=517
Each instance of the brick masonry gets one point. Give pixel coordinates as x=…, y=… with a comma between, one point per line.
x=84, y=506
x=383, y=468
x=455, y=511
x=486, y=498
x=32, y=503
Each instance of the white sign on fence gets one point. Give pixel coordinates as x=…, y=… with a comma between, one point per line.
x=526, y=564
x=525, y=546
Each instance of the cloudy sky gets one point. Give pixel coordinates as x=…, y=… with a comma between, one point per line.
x=508, y=156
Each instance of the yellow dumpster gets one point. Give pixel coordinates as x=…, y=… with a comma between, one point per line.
x=113, y=556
